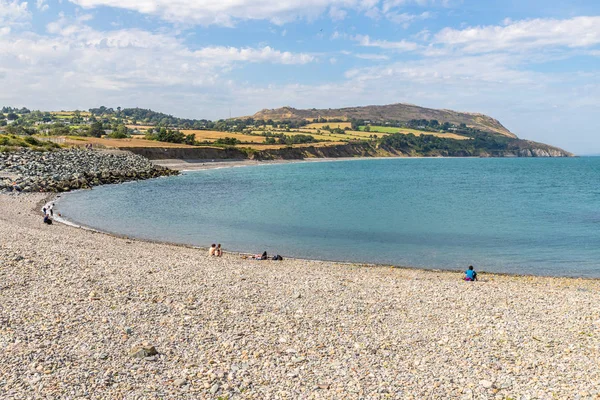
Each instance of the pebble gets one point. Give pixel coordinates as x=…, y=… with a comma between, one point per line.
x=486, y=384
x=143, y=351
x=179, y=382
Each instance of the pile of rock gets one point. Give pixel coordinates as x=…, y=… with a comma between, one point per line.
x=64, y=170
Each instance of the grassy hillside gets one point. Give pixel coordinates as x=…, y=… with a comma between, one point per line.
x=392, y=112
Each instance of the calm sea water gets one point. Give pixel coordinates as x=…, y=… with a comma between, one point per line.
x=530, y=216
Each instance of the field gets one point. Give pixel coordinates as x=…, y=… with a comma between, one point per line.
x=406, y=131
x=140, y=127
x=332, y=125
x=120, y=143
x=281, y=146
x=69, y=114
x=211, y=136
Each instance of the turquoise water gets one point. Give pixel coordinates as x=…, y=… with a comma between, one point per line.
x=530, y=216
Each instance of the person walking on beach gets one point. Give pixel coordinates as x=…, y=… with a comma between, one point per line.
x=470, y=274
x=213, y=250
x=219, y=251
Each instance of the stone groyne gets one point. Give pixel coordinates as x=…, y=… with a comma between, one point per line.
x=69, y=169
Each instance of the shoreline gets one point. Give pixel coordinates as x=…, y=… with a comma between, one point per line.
x=204, y=165
x=481, y=272
x=184, y=165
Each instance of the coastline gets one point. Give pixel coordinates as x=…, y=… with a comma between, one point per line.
x=184, y=165
x=240, y=253
x=201, y=165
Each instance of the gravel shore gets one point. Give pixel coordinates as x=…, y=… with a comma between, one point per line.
x=78, y=307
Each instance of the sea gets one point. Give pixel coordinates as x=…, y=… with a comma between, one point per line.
x=538, y=216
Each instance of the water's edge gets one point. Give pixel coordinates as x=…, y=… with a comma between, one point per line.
x=56, y=199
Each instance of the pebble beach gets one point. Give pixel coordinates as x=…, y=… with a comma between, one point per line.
x=86, y=315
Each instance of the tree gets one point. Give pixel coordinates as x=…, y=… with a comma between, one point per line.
x=119, y=133
x=96, y=129
x=367, y=128
x=12, y=116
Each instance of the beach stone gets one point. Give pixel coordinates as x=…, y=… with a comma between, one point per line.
x=179, y=382
x=486, y=384
x=143, y=351
x=215, y=388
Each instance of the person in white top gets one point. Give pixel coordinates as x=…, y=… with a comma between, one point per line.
x=213, y=250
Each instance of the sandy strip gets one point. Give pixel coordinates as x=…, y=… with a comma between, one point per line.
x=196, y=165
x=73, y=303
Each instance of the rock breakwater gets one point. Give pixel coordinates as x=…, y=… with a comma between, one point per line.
x=64, y=170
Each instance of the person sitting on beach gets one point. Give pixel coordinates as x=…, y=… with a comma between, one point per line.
x=262, y=256
x=212, y=251
x=470, y=274
x=219, y=250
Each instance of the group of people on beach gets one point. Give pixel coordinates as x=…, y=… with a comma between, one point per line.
x=48, y=212
x=215, y=250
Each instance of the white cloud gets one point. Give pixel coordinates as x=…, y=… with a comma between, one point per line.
x=403, y=45
x=405, y=19
x=227, y=12
x=13, y=12
x=337, y=14
x=366, y=56
x=41, y=5
x=80, y=66
x=220, y=54
x=578, y=32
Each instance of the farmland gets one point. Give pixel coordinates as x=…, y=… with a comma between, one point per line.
x=386, y=130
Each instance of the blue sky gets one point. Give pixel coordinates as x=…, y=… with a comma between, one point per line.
x=534, y=65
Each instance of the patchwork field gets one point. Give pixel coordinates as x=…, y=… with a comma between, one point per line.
x=135, y=141
x=333, y=125
x=70, y=113
x=214, y=135
x=390, y=129
x=281, y=146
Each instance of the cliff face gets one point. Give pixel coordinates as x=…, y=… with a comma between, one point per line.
x=362, y=149
x=397, y=112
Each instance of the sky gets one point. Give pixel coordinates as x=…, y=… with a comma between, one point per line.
x=534, y=65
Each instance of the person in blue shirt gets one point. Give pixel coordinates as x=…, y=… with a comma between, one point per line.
x=470, y=274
